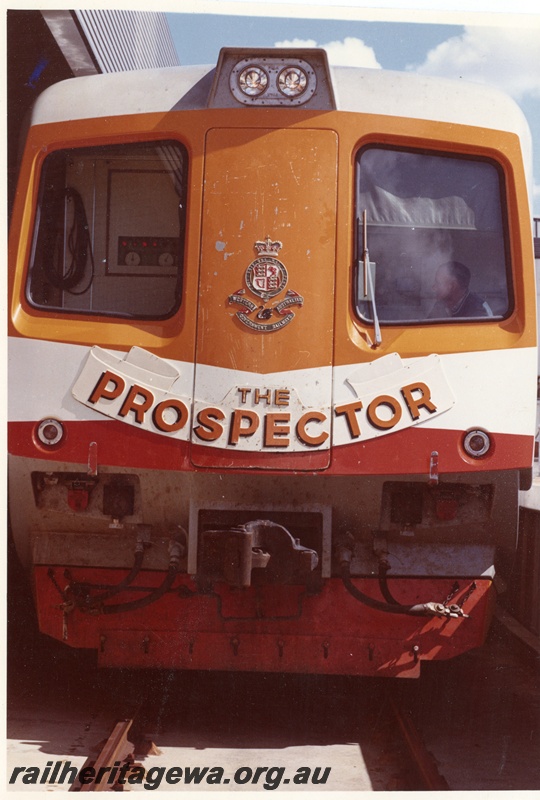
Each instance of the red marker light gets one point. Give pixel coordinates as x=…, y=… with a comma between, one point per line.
x=477, y=443
x=50, y=432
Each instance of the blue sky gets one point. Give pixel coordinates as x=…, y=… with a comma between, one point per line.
x=498, y=47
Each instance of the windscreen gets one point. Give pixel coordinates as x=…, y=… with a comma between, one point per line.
x=430, y=238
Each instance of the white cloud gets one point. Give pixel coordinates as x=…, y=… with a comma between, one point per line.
x=350, y=52
x=506, y=57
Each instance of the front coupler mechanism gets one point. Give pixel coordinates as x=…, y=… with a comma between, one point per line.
x=231, y=555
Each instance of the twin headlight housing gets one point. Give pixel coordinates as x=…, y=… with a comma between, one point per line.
x=274, y=77
x=272, y=81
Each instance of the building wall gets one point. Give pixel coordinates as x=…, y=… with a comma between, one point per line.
x=44, y=47
x=126, y=40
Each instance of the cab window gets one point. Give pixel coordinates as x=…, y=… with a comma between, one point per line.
x=109, y=231
x=431, y=241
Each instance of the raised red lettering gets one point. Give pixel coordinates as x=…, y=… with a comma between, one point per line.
x=101, y=391
x=209, y=428
x=237, y=429
x=275, y=430
x=260, y=395
x=304, y=436
x=350, y=409
x=139, y=409
x=178, y=407
x=390, y=402
x=424, y=401
x=282, y=397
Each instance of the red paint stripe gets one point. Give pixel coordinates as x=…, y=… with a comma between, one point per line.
x=118, y=445
x=403, y=452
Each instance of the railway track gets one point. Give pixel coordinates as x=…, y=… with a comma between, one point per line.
x=260, y=729
x=423, y=764
x=115, y=766
x=114, y=760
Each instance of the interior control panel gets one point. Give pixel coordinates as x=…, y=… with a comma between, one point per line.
x=147, y=251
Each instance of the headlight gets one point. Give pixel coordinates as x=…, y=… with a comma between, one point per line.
x=292, y=81
x=253, y=81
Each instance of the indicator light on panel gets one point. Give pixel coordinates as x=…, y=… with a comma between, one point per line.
x=477, y=443
x=50, y=432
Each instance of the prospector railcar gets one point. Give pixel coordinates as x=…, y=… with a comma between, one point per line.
x=272, y=364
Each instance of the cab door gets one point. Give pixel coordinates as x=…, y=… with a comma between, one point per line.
x=266, y=300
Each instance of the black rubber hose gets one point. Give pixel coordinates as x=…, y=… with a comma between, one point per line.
x=420, y=610
x=383, y=584
x=142, y=602
x=91, y=602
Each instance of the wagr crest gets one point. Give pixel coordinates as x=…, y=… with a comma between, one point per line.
x=266, y=277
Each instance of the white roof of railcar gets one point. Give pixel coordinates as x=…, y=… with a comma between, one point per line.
x=370, y=91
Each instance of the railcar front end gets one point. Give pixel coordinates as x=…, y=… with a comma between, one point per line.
x=272, y=364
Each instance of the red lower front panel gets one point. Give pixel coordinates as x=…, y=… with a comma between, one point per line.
x=269, y=628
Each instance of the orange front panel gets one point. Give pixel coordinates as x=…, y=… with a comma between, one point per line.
x=281, y=184
x=267, y=170
x=266, y=296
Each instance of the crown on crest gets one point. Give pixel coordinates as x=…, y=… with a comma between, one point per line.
x=268, y=247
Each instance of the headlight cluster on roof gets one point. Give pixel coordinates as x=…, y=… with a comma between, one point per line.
x=279, y=77
x=272, y=81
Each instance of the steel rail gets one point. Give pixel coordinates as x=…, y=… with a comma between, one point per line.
x=116, y=749
x=422, y=760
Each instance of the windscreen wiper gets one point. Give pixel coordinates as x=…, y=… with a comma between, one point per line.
x=369, y=283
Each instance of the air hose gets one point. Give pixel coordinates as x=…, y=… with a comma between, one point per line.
x=142, y=602
x=430, y=609
x=176, y=550
x=95, y=604
x=85, y=602
x=384, y=566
